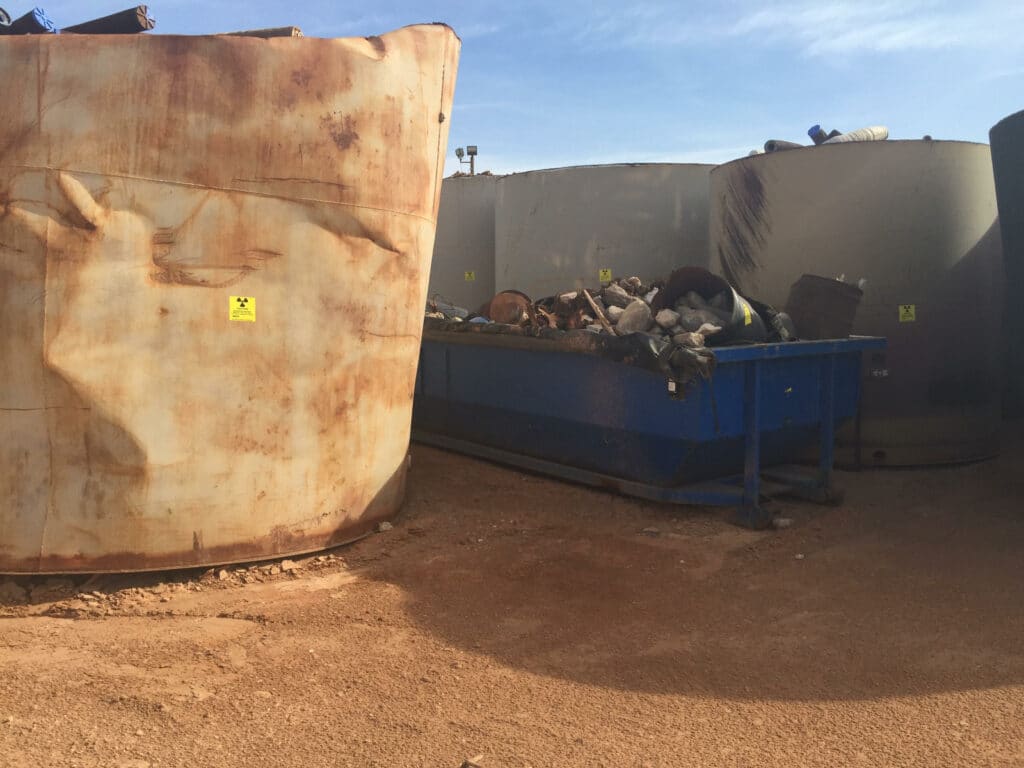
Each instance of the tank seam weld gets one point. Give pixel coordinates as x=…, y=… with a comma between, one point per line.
x=207, y=187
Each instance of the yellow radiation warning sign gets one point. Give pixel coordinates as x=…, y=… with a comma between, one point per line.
x=242, y=308
x=605, y=275
x=470, y=276
x=908, y=313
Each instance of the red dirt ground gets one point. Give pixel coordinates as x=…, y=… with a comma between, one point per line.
x=538, y=624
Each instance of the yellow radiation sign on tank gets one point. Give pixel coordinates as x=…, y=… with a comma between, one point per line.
x=242, y=308
x=605, y=275
x=908, y=313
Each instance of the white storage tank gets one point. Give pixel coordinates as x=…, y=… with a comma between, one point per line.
x=556, y=229
x=462, y=272
x=918, y=221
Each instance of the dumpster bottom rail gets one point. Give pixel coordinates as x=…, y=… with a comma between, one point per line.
x=786, y=480
x=744, y=491
x=803, y=388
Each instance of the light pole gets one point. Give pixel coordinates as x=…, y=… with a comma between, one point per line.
x=471, y=151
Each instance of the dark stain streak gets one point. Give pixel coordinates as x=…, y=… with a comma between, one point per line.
x=47, y=408
x=410, y=336
x=297, y=180
x=745, y=222
x=174, y=272
x=341, y=129
x=378, y=45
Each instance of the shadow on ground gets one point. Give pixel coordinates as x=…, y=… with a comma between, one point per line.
x=915, y=585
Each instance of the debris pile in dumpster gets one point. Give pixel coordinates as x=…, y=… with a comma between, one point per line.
x=664, y=325
x=693, y=308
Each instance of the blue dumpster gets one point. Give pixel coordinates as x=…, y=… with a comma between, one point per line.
x=533, y=404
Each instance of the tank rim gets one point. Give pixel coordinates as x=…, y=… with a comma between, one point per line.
x=833, y=147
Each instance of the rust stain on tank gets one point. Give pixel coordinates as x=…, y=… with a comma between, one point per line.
x=341, y=129
x=145, y=180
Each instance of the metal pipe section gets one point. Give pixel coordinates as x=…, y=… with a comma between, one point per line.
x=127, y=22
x=268, y=33
x=35, y=22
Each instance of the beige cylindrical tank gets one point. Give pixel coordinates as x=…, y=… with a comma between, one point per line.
x=214, y=255
x=557, y=229
x=918, y=221
x=462, y=270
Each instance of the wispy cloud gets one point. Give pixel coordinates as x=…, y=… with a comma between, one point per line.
x=474, y=30
x=848, y=27
x=812, y=28
x=712, y=155
x=490, y=106
x=644, y=24
x=1002, y=74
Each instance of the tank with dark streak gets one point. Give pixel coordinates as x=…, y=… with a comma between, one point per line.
x=214, y=255
x=917, y=220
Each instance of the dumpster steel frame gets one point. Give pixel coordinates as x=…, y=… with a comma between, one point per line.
x=742, y=491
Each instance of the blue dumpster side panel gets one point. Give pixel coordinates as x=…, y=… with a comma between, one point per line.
x=621, y=420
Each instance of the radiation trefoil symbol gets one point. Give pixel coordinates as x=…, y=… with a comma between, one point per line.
x=242, y=308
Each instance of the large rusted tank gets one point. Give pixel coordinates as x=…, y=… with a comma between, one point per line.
x=214, y=255
x=918, y=221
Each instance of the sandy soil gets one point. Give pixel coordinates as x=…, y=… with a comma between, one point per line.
x=539, y=624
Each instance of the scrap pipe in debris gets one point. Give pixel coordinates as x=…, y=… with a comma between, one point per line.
x=5, y=18
x=871, y=133
x=777, y=145
x=35, y=22
x=127, y=22
x=818, y=136
x=271, y=32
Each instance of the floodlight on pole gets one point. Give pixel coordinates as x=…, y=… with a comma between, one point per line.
x=470, y=150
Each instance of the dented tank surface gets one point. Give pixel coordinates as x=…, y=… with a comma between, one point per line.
x=918, y=221
x=214, y=255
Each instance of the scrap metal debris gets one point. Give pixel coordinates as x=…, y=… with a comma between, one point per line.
x=692, y=308
x=818, y=135
x=127, y=22
x=37, y=22
x=665, y=325
x=268, y=33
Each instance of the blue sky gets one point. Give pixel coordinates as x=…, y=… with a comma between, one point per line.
x=545, y=84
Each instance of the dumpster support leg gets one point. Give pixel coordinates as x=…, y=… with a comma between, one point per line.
x=750, y=513
x=827, y=437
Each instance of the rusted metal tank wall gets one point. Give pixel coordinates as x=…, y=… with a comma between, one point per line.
x=557, y=229
x=918, y=220
x=145, y=182
x=465, y=241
